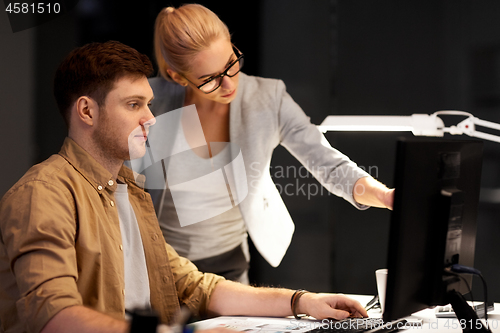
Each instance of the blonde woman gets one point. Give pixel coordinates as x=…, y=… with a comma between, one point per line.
x=199, y=65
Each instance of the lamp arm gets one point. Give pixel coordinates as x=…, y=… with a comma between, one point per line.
x=468, y=127
x=418, y=124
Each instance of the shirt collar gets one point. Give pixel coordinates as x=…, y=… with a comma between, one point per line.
x=98, y=176
x=131, y=177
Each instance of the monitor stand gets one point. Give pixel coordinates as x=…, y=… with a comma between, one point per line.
x=469, y=321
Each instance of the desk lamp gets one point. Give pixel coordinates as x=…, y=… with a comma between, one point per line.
x=418, y=124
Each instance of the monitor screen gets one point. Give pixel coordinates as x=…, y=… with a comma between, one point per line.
x=433, y=224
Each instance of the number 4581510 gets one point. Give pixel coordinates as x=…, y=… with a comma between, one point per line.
x=39, y=8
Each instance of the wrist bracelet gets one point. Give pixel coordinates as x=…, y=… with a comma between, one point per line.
x=295, y=299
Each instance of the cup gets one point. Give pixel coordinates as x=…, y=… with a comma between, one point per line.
x=381, y=276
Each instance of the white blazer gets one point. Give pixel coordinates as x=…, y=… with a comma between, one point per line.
x=262, y=116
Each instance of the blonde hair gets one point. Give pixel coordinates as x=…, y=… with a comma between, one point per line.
x=180, y=34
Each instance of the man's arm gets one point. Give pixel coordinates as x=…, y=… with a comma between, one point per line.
x=231, y=298
x=81, y=319
x=370, y=192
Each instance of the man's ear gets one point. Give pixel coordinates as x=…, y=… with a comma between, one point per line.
x=86, y=110
x=177, y=77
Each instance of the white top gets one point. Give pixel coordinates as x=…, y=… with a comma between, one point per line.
x=199, y=217
x=137, y=293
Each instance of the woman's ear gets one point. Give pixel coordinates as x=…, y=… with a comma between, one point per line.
x=177, y=77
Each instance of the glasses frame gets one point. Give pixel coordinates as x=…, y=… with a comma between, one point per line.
x=239, y=58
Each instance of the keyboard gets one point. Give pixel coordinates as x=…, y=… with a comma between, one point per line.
x=354, y=325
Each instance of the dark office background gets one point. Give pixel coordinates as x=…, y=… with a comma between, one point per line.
x=336, y=57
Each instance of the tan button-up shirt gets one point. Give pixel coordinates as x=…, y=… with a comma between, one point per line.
x=60, y=246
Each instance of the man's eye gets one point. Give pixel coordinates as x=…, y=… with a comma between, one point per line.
x=133, y=105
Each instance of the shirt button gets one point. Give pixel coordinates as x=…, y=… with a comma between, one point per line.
x=154, y=237
x=121, y=247
x=123, y=292
x=99, y=188
x=110, y=182
x=112, y=203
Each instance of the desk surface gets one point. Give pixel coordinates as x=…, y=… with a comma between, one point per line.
x=290, y=325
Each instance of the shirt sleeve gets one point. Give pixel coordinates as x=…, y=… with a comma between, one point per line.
x=334, y=170
x=38, y=230
x=194, y=288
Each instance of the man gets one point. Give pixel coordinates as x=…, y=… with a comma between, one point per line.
x=80, y=244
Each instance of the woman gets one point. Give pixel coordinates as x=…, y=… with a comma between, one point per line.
x=199, y=66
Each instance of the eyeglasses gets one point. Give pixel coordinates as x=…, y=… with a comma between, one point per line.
x=214, y=82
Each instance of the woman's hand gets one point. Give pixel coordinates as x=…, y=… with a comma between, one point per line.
x=389, y=198
x=370, y=192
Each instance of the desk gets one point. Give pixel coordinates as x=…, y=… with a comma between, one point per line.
x=290, y=325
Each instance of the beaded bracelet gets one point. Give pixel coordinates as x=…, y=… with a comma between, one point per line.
x=294, y=300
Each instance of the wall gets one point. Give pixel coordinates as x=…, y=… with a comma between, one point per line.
x=16, y=93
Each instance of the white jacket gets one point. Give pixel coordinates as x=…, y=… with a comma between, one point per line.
x=262, y=116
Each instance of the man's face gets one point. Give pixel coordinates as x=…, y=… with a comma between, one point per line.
x=124, y=119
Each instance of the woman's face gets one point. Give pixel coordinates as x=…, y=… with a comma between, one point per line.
x=209, y=63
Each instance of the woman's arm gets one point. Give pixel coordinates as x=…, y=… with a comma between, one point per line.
x=370, y=192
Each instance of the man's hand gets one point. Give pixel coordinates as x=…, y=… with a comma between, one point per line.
x=337, y=306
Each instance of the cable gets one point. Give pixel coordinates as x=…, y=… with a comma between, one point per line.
x=466, y=284
x=485, y=299
x=456, y=268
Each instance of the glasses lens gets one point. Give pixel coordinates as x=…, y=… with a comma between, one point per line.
x=210, y=85
x=235, y=67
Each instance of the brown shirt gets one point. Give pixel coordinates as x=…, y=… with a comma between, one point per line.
x=60, y=246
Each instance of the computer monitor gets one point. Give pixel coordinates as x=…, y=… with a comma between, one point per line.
x=433, y=224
